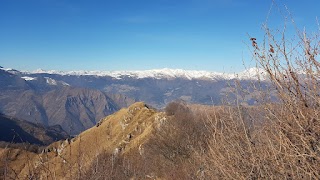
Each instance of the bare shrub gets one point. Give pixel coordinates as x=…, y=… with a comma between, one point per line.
x=177, y=140
x=283, y=143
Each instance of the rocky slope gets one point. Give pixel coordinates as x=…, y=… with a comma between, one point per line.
x=52, y=102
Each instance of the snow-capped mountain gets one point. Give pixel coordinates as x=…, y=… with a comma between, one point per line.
x=165, y=73
x=10, y=70
x=156, y=87
x=57, y=96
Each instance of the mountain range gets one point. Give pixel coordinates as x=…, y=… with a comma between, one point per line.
x=50, y=102
x=77, y=100
x=155, y=87
x=165, y=73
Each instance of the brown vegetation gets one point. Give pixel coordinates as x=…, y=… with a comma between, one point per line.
x=278, y=140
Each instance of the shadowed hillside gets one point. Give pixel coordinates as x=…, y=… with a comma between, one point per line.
x=75, y=109
x=17, y=131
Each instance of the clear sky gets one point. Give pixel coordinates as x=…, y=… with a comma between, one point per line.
x=137, y=34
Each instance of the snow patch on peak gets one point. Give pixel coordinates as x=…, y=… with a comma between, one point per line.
x=27, y=78
x=54, y=82
x=42, y=71
x=177, y=73
x=51, y=81
x=10, y=70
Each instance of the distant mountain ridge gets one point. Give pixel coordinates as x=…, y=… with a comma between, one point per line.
x=160, y=73
x=52, y=102
x=156, y=87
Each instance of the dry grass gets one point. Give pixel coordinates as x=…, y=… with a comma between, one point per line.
x=70, y=159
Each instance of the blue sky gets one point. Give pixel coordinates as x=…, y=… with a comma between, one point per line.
x=137, y=34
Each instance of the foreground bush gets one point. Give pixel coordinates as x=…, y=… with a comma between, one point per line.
x=282, y=138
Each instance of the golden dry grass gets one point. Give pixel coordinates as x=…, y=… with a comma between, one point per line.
x=117, y=133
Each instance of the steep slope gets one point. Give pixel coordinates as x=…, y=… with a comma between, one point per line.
x=16, y=131
x=134, y=143
x=75, y=109
x=134, y=136
x=51, y=102
x=118, y=134
x=12, y=82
